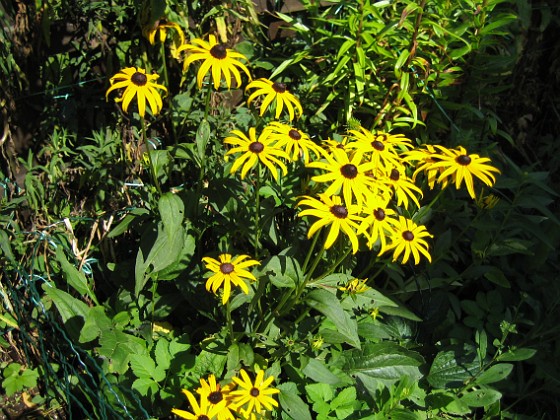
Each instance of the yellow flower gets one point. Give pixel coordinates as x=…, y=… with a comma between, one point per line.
x=403, y=187
x=374, y=313
x=255, y=150
x=295, y=142
x=215, y=395
x=217, y=58
x=331, y=211
x=425, y=160
x=274, y=91
x=346, y=173
x=255, y=394
x=137, y=83
x=355, y=286
x=161, y=27
x=200, y=411
x=229, y=270
x=458, y=165
x=381, y=147
x=378, y=224
x=409, y=238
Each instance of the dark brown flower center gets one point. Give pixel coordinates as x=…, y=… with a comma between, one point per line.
x=254, y=392
x=349, y=171
x=463, y=160
x=394, y=175
x=203, y=417
x=226, y=268
x=218, y=51
x=377, y=145
x=338, y=211
x=294, y=134
x=256, y=147
x=139, y=79
x=279, y=87
x=215, y=397
x=379, y=214
x=408, y=235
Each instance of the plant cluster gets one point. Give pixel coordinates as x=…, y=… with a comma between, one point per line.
x=320, y=223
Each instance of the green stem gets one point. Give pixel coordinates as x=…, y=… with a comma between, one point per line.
x=154, y=287
x=166, y=79
x=230, y=321
x=258, y=212
x=148, y=151
x=309, y=253
x=207, y=102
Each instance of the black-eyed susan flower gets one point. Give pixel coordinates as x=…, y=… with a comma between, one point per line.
x=331, y=211
x=160, y=29
x=137, y=83
x=348, y=173
x=424, y=158
x=382, y=148
x=229, y=270
x=276, y=92
x=202, y=411
x=254, y=396
x=294, y=142
x=408, y=239
x=254, y=150
x=460, y=166
x=402, y=186
x=217, y=59
x=378, y=223
x=216, y=394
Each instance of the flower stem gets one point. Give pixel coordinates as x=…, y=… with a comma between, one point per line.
x=258, y=212
x=309, y=253
x=166, y=79
x=230, y=321
x=148, y=151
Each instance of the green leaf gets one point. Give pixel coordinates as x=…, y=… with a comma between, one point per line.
x=346, y=397
x=517, y=355
x=145, y=386
x=318, y=371
x=494, y=374
x=451, y=368
x=172, y=211
x=481, y=397
x=73, y=277
x=70, y=309
x=122, y=227
x=202, y=137
x=319, y=392
x=17, y=380
x=118, y=347
x=387, y=362
x=142, y=365
x=329, y=305
x=281, y=270
x=292, y=404
x=96, y=321
x=163, y=357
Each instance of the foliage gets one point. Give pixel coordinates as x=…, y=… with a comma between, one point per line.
x=137, y=261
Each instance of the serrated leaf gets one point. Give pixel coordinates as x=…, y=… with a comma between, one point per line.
x=345, y=397
x=163, y=357
x=319, y=392
x=145, y=386
x=329, y=305
x=494, y=374
x=481, y=397
x=143, y=366
x=387, y=362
